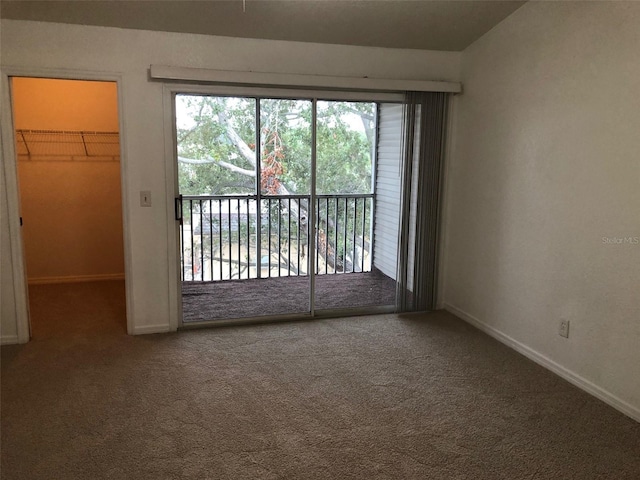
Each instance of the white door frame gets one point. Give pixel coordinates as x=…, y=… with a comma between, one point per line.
x=171, y=182
x=13, y=189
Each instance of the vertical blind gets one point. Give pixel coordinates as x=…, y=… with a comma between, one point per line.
x=425, y=116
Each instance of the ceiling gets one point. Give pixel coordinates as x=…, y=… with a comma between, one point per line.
x=433, y=25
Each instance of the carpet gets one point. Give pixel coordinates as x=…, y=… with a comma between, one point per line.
x=376, y=397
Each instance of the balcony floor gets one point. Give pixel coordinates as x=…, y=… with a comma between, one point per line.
x=203, y=301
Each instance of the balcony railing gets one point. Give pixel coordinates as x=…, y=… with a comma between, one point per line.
x=226, y=237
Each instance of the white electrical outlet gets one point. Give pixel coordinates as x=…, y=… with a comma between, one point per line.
x=563, y=330
x=145, y=198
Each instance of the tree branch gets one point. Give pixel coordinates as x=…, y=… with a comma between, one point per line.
x=245, y=150
x=221, y=163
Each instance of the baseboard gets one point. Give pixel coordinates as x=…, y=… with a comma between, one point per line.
x=9, y=339
x=568, y=375
x=76, y=278
x=146, y=329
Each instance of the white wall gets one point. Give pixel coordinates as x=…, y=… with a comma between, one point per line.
x=545, y=164
x=33, y=45
x=72, y=216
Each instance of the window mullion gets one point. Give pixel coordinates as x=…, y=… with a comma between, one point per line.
x=312, y=207
x=258, y=193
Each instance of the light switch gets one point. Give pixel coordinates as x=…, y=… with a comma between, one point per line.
x=145, y=198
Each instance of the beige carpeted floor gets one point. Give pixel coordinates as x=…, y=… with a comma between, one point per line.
x=419, y=397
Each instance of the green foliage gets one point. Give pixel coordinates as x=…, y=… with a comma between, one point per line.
x=206, y=137
x=206, y=127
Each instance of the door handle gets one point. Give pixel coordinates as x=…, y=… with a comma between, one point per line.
x=178, y=208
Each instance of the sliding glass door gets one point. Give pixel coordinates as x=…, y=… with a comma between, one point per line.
x=286, y=207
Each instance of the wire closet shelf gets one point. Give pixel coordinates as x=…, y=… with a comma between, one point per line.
x=68, y=144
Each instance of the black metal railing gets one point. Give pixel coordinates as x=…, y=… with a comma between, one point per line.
x=225, y=237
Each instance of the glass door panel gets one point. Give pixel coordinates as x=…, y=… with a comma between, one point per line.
x=244, y=183
x=285, y=191
x=347, y=275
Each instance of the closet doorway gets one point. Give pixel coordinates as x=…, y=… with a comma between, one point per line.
x=69, y=176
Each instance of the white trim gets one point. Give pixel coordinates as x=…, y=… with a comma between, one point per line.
x=76, y=278
x=572, y=377
x=171, y=185
x=9, y=340
x=13, y=197
x=147, y=329
x=20, y=288
x=292, y=80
